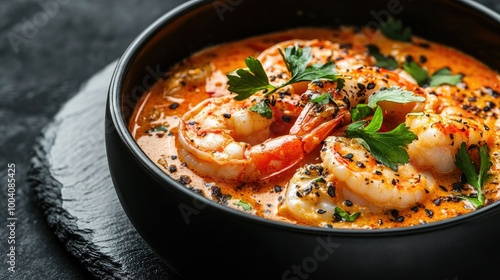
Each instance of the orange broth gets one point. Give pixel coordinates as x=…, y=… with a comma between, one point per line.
x=154, y=124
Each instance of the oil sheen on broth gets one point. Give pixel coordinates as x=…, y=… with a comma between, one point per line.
x=427, y=189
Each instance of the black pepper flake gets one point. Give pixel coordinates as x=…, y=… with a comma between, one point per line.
x=360, y=164
x=307, y=190
x=331, y=190
x=348, y=156
x=414, y=209
x=443, y=188
x=174, y=105
x=361, y=86
x=226, y=115
x=400, y=219
x=457, y=186
x=218, y=195
x=429, y=212
x=174, y=157
x=348, y=203
x=437, y=201
x=321, y=211
x=378, y=172
x=408, y=58
x=337, y=217
x=370, y=85
x=172, y=168
x=298, y=194
x=422, y=58
x=184, y=180
x=286, y=119
x=277, y=188
x=393, y=182
x=395, y=213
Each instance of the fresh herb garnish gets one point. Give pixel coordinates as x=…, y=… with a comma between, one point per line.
x=248, y=81
x=345, y=215
x=440, y=77
x=418, y=73
x=443, y=76
x=322, y=99
x=389, y=148
x=160, y=128
x=394, y=29
x=393, y=94
x=243, y=204
x=465, y=164
x=383, y=61
x=319, y=180
x=263, y=109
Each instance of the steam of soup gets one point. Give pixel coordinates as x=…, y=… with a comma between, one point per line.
x=341, y=128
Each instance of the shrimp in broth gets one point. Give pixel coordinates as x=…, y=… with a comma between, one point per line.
x=297, y=162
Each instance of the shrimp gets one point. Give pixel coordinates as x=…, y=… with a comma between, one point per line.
x=360, y=84
x=440, y=136
x=222, y=138
x=308, y=198
x=364, y=181
x=349, y=172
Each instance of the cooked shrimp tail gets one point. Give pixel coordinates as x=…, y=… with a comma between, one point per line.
x=222, y=138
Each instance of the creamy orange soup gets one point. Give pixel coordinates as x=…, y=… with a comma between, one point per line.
x=294, y=193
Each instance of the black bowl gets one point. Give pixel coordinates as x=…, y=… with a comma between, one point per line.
x=201, y=239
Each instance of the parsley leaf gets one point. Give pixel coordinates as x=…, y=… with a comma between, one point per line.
x=345, y=215
x=393, y=94
x=296, y=60
x=322, y=99
x=263, y=109
x=243, y=204
x=418, y=73
x=361, y=111
x=383, y=61
x=465, y=164
x=160, y=128
x=389, y=148
x=444, y=76
x=246, y=82
x=394, y=29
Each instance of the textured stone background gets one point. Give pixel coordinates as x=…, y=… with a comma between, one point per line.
x=48, y=48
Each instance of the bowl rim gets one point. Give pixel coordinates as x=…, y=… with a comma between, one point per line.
x=114, y=105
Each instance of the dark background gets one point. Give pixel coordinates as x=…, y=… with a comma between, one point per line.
x=48, y=48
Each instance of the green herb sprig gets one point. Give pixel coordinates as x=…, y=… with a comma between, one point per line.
x=381, y=60
x=244, y=205
x=394, y=29
x=442, y=76
x=345, y=215
x=465, y=164
x=393, y=94
x=389, y=148
x=245, y=82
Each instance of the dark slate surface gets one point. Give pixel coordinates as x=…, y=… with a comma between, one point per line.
x=46, y=53
x=72, y=186
x=36, y=77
